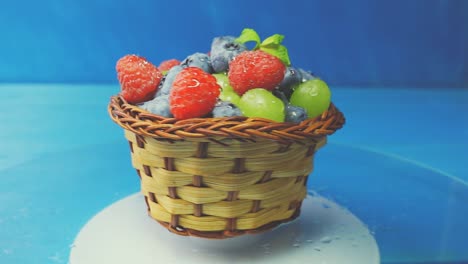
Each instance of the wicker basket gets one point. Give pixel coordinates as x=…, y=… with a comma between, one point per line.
x=222, y=177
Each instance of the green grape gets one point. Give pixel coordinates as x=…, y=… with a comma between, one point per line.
x=229, y=96
x=227, y=92
x=222, y=80
x=313, y=95
x=259, y=102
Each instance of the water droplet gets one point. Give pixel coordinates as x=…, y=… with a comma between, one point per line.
x=7, y=251
x=326, y=206
x=296, y=244
x=317, y=249
x=337, y=238
x=313, y=92
x=326, y=240
x=309, y=241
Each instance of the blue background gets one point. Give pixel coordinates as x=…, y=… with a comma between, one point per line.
x=362, y=42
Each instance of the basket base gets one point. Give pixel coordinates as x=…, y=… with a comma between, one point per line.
x=232, y=234
x=123, y=233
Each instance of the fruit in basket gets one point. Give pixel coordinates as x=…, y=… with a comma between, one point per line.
x=292, y=77
x=194, y=93
x=313, y=95
x=226, y=109
x=306, y=75
x=200, y=60
x=227, y=92
x=166, y=65
x=232, y=79
x=158, y=106
x=139, y=79
x=223, y=50
x=260, y=102
x=229, y=95
x=255, y=69
x=166, y=84
x=295, y=114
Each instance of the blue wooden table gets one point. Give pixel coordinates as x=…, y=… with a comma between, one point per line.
x=399, y=164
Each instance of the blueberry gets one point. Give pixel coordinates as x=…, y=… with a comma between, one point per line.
x=225, y=109
x=166, y=84
x=306, y=75
x=295, y=114
x=292, y=77
x=281, y=95
x=223, y=50
x=159, y=106
x=200, y=60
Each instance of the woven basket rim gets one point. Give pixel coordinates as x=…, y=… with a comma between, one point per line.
x=141, y=122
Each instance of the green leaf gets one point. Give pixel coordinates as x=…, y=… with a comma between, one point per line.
x=248, y=35
x=272, y=41
x=279, y=51
x=272, y=45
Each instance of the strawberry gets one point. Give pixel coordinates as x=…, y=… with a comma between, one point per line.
x=139, y=79
x=255, y=69
x=194, y=93
x=166, y=65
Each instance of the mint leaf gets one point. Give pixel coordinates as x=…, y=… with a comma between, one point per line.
x=273, y=46
x=279, y=51
x=248, y=35
x=272, y=41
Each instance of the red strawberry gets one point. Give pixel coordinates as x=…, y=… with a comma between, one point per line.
x=168, y=64
x=139, y=79
x=255, y=69
x=194, y=93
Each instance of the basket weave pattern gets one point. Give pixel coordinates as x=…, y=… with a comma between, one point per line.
x=222, y=177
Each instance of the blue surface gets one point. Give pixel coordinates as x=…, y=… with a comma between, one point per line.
x=401, y=159
x=405, y=43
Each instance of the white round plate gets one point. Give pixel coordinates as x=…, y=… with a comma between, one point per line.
x=323, y=233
